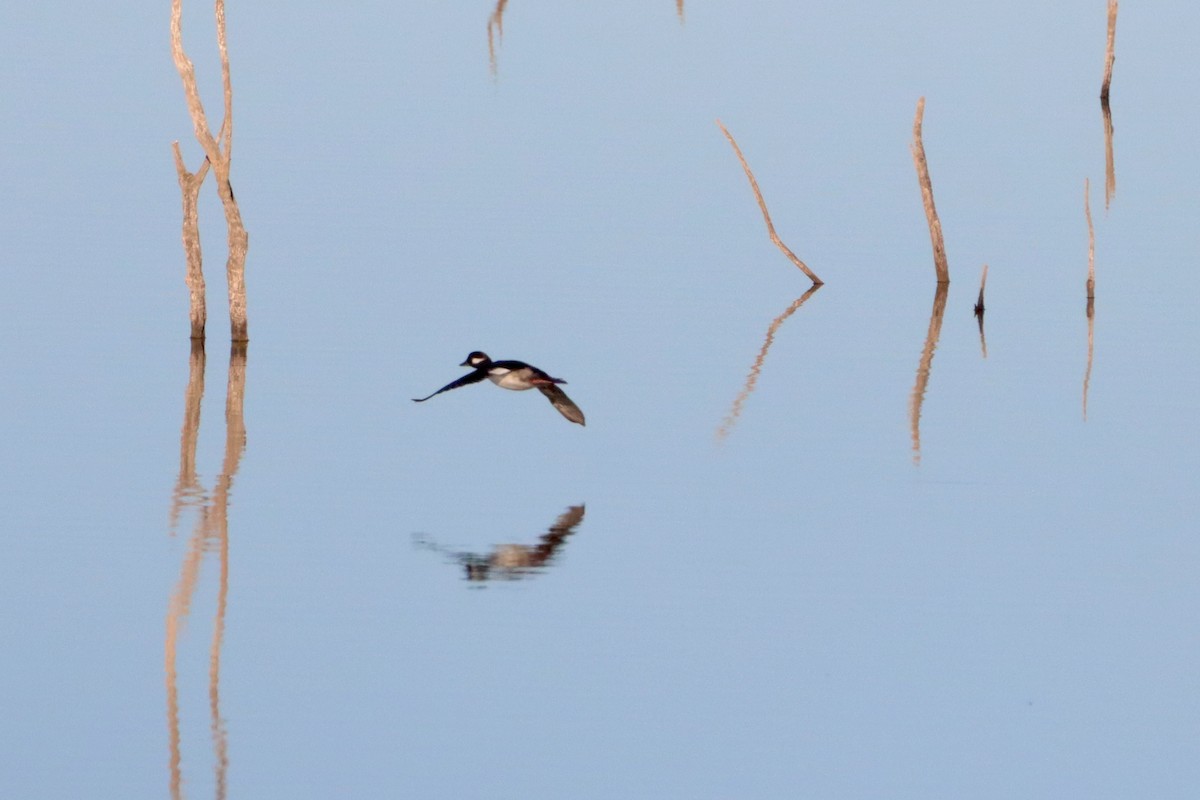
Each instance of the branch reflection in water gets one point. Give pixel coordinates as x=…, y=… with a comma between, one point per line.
x=1087, y=212
x=1087, y=374
x=980, y=308
x=923, y=368
x=512, y=562
x=1110, y=174
x=210, y=534
x=495, y=29
x=735, y=411
x=1091, y=294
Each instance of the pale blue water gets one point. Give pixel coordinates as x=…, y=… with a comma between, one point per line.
x=796, y=609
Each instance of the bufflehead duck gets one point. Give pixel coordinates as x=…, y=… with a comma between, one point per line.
x=515, y=375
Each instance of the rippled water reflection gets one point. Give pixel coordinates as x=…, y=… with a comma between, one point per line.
x=210, y=534
x=511, y=561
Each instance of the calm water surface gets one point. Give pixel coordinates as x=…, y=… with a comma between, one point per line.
x=828, y=548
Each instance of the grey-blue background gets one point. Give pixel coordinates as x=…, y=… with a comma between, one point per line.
x=796, y=610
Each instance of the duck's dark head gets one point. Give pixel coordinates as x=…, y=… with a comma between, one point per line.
x=476, y=359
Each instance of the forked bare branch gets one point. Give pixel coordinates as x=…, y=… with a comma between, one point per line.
x=217, y=150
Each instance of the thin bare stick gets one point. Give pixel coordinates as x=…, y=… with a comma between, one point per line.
x=735, y=410
x=935, y=225
x=1110, y=174
x=1109, y=55
x=980, y=308
x=762, y=204
x=917, y=398
x=218, y=150
x=679, y=10
x=1087, y=212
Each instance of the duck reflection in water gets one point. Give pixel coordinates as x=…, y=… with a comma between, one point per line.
x=512, y=561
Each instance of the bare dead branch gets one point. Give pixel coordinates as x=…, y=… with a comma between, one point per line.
x=235, y=265
x=762, y=204
x=1109, y=54
x=218, y=150
x=935, y=226
x=189, y=187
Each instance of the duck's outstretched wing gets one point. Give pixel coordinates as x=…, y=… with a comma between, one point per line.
x=558, y=398
x=465, y=380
